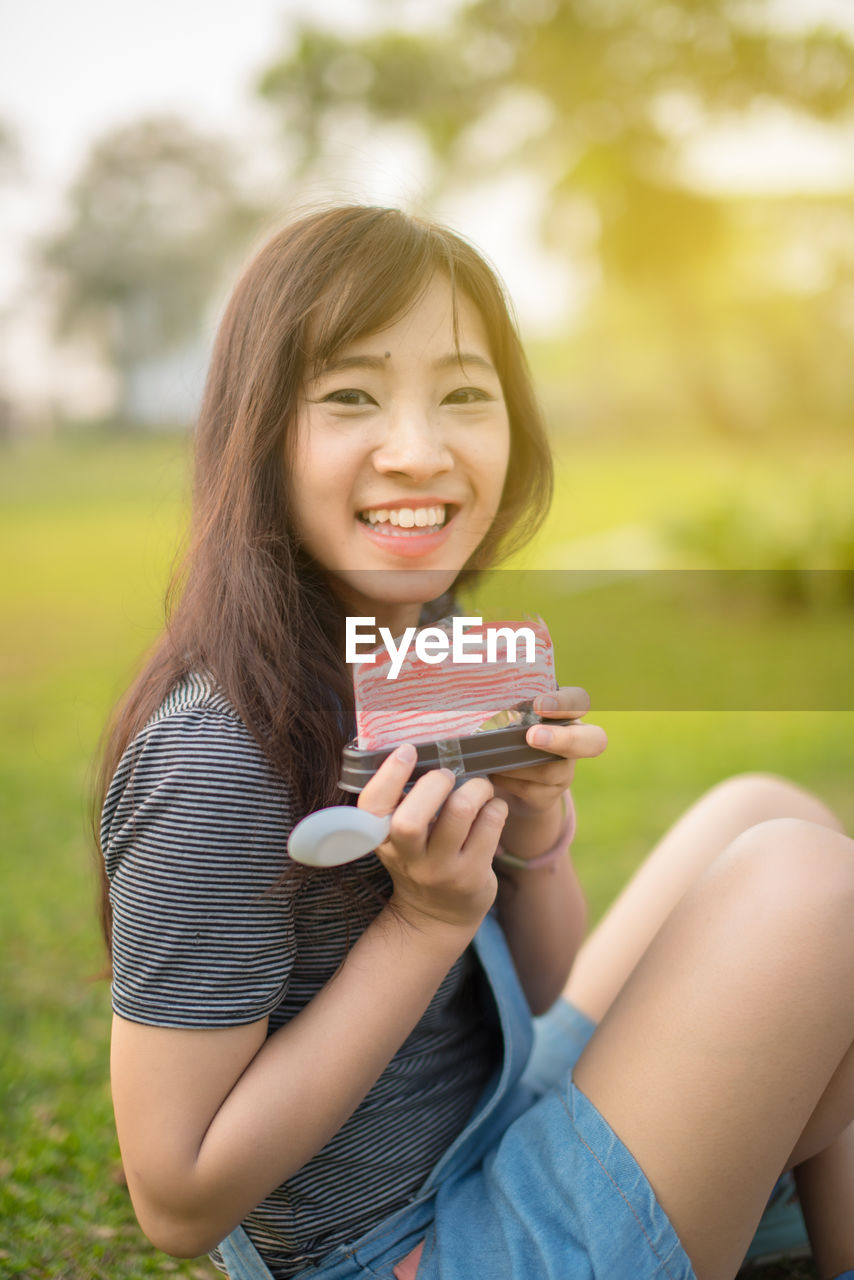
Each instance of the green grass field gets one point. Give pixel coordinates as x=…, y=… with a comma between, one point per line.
x=88, y=527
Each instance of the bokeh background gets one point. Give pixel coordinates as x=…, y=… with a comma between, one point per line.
x=665, y=185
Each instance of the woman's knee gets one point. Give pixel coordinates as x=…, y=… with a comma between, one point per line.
x=791, y=869
x=758, y=797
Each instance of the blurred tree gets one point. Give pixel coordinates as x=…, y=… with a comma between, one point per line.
x=10, y=153
x=11, y=174
x=155, y=216
x=600, y=101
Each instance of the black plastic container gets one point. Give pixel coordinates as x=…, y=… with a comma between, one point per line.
x=490, y=751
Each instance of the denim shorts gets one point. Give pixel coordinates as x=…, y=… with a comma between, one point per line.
x=536, y=1187
x=559, y=1197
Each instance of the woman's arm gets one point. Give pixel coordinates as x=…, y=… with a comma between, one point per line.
x=211, y=1121
x=542, y=910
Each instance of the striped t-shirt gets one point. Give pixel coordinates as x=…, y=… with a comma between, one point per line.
x=194, y=833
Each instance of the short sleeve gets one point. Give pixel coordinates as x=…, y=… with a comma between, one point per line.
x=194, y=834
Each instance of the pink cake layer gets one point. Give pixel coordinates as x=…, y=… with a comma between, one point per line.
x=448, y=700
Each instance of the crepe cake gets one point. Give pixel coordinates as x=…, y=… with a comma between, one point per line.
x=428, y=702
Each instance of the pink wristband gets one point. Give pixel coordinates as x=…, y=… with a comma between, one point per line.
x=552, y=856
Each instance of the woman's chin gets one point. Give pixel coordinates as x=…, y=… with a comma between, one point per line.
x=375, y=591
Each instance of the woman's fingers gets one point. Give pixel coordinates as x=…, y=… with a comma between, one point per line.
x=572, y=742
x=532, y=785
x=459, y=814
x=413, y=817
x=381, y=794
x=566, y=703
x=537, y=786
x=485, y=832
x=429, y=809
x=431, y=827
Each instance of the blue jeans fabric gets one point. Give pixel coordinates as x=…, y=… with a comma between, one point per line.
x=536, y=1187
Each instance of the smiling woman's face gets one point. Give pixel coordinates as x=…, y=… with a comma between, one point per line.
x=400, y=457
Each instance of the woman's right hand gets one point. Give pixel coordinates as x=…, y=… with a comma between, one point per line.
x=441, y=844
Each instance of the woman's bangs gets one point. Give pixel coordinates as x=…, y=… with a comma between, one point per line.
x=374, y=288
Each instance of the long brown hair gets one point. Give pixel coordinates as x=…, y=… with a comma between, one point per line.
x=248, y=605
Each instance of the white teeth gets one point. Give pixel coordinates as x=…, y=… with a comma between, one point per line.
x=406, y=517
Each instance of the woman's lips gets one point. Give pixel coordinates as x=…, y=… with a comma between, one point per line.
x=408, y=543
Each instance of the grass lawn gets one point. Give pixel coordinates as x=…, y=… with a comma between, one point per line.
x=88, y=527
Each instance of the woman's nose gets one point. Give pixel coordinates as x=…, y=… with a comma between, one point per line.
x=413, y=445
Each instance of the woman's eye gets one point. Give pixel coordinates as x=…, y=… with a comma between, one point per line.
x=349, y=396
x=466, y=395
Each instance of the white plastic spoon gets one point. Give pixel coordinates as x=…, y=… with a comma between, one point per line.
x=331, y=837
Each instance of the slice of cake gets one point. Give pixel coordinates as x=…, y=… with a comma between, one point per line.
x=427, y=700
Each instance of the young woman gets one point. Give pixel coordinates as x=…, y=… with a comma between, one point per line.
x=329, y=1073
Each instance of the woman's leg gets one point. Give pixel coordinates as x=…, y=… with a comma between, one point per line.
x=616, y=945
x=688, y=848
x=826, y=1190
x=727, y=1052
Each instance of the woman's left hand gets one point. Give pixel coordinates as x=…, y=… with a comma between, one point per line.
x=535, y=788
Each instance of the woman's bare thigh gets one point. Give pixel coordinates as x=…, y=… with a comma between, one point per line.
x=712, y=1061
x=617, y=943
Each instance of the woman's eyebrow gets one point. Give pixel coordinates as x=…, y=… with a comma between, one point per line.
x=459, y=358
x=338, y=364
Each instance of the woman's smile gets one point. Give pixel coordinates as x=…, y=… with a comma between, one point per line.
x=412, y=530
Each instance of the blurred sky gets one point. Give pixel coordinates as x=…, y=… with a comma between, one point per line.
x=72, y=71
